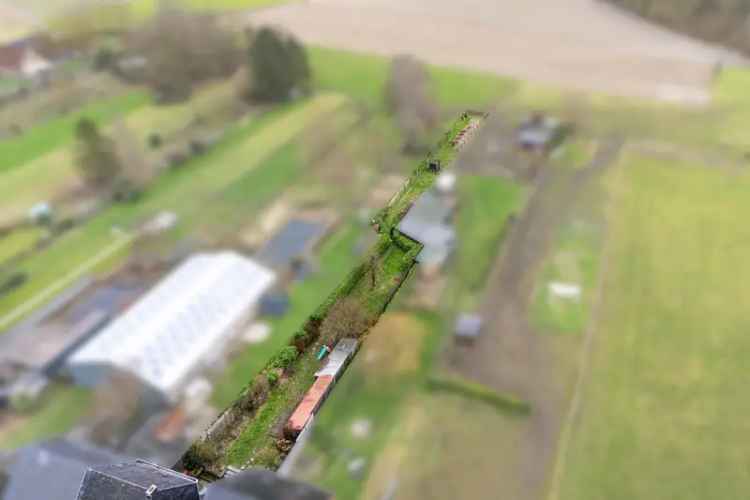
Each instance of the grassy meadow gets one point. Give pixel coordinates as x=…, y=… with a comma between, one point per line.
x=59, y=411
x=663, y=412
x=51, y=134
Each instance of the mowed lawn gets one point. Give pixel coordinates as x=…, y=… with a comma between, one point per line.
x=183, y=191
x=665, y=410
x=51, y=134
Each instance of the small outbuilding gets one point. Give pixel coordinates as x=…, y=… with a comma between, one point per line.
x=468, y=328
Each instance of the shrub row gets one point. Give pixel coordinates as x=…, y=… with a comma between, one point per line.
x=479, y=392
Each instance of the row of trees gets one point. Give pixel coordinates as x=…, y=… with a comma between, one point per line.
x=183, y=49
x=721, y=21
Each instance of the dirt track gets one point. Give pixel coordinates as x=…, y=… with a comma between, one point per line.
x=578, y=44
x=511, y=356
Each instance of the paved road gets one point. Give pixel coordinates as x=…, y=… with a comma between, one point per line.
x=579, y=44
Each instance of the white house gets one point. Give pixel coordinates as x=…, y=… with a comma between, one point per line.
x=178, y=327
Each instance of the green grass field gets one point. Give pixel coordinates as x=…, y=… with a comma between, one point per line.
x=17, y=242
x=40, y=165
x=184, y=191
x=363, y=77
x=50, y=135
x=663, y=412
x=574, y=261
x=486, y=204
x=60, y=410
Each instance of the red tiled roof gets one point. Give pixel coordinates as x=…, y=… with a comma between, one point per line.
x=11, y=57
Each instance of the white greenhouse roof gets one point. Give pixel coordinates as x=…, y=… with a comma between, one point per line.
x=182, y=319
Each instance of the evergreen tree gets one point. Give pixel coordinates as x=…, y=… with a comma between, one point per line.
x=97, y=157
x=278, y=67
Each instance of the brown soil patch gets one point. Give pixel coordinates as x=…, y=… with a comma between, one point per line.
x=511, y=357
x=393, y=346
x=579, y=44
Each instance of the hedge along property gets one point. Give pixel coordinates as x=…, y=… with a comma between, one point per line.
x=251, y=431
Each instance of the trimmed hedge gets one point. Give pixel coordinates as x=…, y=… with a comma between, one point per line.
x=473, y=390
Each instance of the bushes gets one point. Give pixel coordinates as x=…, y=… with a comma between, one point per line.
x=284, y=358
x=479, y=392
x=267, y=457
x=347, y=318
x=12, y=282
x=199, y=455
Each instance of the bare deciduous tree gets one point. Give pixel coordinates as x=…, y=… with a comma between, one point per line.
x=184, y=48
x=347, y=318
x=408, y=97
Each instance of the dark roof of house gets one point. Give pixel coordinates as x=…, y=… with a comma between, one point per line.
x=137, y=480
x=261, y=484
x=52, y=469
x=291, y=242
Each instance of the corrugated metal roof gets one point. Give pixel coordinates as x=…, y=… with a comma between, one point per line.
x=338, y=358
x=167, y=332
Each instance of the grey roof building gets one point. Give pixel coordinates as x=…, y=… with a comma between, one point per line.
x=428, y=222
x=292, y=242
x=137, y=480
x=52, y=470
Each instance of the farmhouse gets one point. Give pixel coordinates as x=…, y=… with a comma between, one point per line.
x=184, y=322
